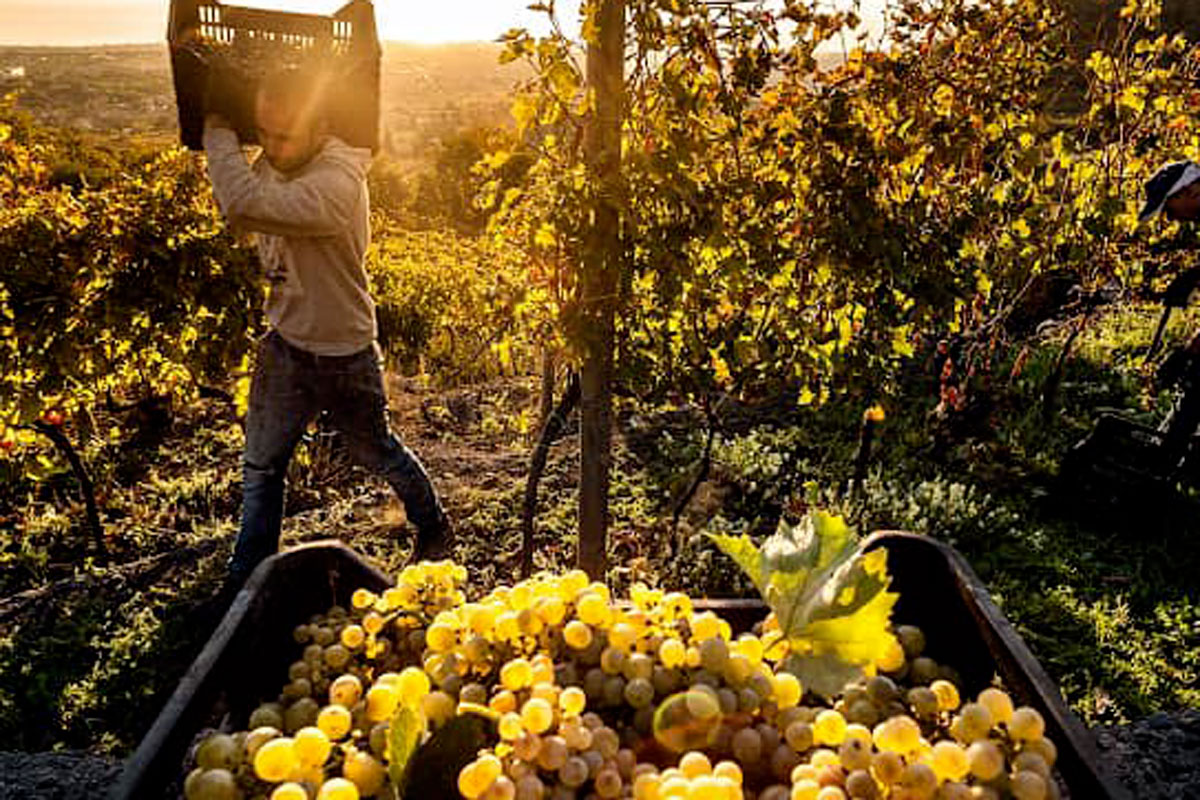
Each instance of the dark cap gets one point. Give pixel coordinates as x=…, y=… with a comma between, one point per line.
x=1170, y=179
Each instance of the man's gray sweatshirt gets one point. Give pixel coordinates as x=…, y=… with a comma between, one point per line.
x=313, y=229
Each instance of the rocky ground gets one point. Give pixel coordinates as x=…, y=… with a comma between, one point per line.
x=56, y=776
x=1157, y=758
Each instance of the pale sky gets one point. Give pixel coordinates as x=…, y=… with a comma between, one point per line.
x=78, y=22
x=81, y=22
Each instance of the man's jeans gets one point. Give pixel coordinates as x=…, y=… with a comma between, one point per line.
x=289, y=389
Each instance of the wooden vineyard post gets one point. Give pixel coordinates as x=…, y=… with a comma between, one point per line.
x=601, y=268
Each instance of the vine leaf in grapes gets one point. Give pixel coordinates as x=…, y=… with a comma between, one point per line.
x=831, y=599
x=431, y=770
x=405, y=730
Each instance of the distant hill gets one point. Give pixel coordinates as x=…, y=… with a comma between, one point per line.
x=427, y=89
x=435, y=89
x=119, y=88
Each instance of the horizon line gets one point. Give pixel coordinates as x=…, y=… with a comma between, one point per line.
x=164, y=43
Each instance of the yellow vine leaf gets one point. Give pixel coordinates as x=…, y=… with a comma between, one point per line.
x=405, y=731
x=1133, y=98
x=831, y=600
x=943, y=100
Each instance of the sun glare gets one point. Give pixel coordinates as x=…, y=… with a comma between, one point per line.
x=424, y=22
x=94, y=22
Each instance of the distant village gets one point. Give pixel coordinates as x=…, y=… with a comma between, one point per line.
x=127, y=89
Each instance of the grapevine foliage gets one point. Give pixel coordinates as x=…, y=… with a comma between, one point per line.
x=455, y=307
x=125, y=290
x=404, y=735
x=806, y=226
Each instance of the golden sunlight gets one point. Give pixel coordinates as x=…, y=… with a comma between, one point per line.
x=92, y=22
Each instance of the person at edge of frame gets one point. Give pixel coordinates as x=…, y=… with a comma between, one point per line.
x=1174, y=191
x=305, y=198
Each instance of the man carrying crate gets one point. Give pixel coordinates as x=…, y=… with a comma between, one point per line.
x=306, y=200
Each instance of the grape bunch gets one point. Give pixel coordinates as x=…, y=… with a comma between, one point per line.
x=326, y=734
x=649, y=699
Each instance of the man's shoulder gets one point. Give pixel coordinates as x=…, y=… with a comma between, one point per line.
x=336, y=153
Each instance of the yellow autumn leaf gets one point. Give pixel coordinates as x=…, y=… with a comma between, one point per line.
x=720, y=367
x=1133, y=98
x=943, y=100
x=830, y=599
x=545, y=236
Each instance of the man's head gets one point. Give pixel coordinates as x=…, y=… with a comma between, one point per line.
x=1174, y=190
x=290, y=117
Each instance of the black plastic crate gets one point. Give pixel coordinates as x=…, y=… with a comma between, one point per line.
x=220, y=52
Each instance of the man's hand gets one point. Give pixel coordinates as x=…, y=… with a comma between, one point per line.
x=214, y=121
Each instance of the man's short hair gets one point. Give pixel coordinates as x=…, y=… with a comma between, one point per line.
x=303, y=89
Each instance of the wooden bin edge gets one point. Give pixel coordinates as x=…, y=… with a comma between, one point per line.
x=1020, y=665
x=196, y=690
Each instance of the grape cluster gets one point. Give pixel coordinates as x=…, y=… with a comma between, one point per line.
x=326, y=734
x=593, y=699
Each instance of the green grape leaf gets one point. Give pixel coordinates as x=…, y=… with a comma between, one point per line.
x=405, y=731
x=830, y=598
x=826, y=674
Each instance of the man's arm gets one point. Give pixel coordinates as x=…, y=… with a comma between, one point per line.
x=320, y=203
